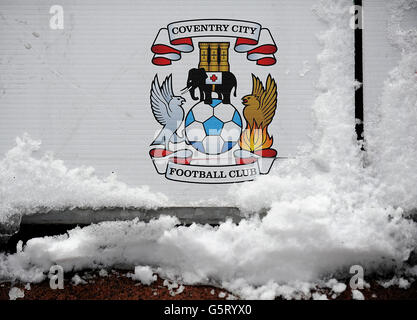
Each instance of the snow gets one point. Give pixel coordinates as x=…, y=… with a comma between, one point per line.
x=16, y=293
x=29, y=184
x=357, y=295
x=403, y=283
x=231, y=297
x=173, y=285
x=391, y=129
x=336, y=286
x=103, y=273
x=144, y=274
x=396, y=281
x=319, y=296
x=327, y=210
x=180, y=290
x=19, y=246
x=412, y=271
x=76, y=280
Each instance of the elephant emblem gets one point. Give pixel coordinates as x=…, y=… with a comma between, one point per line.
x=199, y=78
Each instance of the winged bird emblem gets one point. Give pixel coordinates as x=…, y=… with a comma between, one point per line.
x=260, y=107
x=167, y=110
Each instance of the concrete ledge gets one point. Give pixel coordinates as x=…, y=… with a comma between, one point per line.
x=186, y=215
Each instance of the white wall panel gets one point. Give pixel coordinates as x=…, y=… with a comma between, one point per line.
x=84, y=90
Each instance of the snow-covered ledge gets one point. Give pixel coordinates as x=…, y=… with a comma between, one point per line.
x=9, y=227
x=186, y=215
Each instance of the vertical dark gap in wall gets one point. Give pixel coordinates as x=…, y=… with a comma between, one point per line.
x=208, y=57
x=359, y=124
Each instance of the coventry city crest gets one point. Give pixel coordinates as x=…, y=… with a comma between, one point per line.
x=210, y=142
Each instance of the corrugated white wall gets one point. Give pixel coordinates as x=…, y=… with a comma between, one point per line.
x=380, y=55
x=84, y=90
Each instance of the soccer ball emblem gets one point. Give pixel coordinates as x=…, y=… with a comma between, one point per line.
x=213, y=129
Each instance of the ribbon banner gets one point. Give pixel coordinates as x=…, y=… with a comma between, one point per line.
x=251, y=38
x=176, y=165
x=212, y=174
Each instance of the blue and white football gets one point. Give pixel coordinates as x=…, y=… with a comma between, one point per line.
x=213, y=129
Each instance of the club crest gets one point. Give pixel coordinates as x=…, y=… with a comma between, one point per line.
x=210, y=131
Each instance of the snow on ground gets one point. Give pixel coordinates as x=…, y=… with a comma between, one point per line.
x=396, y=281
x=357, y=295
x=326, y=211
x=16, y=293
x=77, y=280
x=103, y=273
x=144, y=274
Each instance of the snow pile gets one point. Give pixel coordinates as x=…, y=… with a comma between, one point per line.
x=396, y=281
x=16, y=293
x=173, y=287
x=391, y=129
x=143, y=274
x=29, y=185
x=319, y=296
x=357, y=295
x=336, y=286
x=76, y=280
x=103, y=273
x=326, y=211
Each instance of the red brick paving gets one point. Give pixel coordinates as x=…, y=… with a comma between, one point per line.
x=117, y=286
